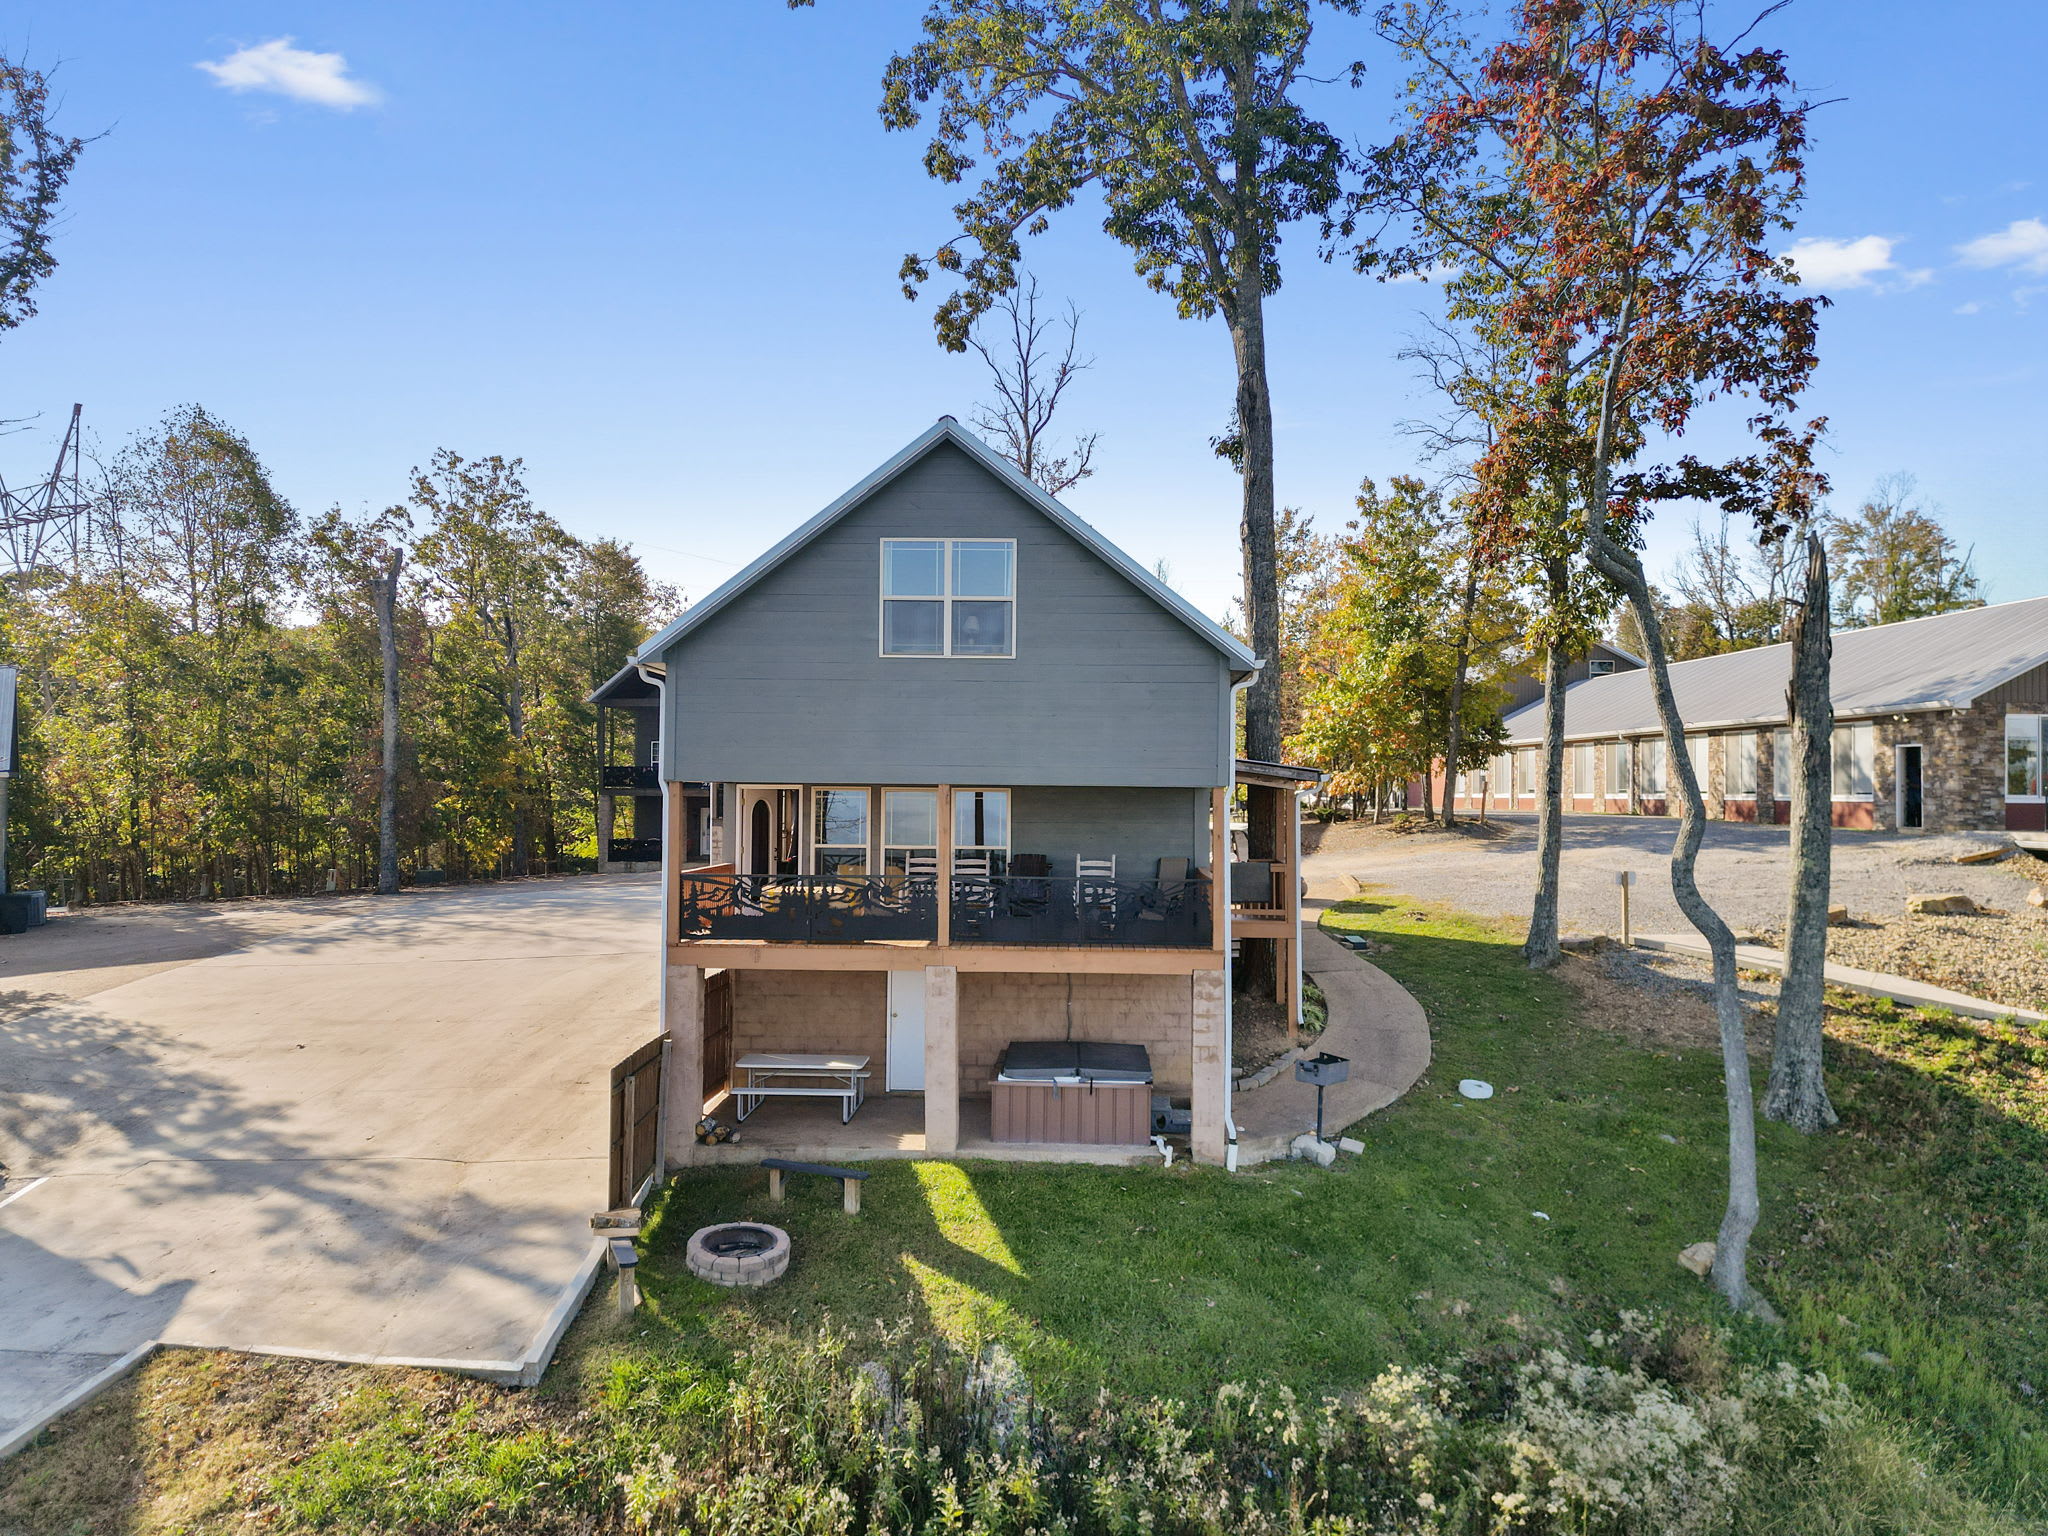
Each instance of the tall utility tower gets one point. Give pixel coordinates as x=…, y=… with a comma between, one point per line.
x=50, y=522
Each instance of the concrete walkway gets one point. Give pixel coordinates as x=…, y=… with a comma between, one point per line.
x=369, y=1130
x=1374, y=1023
x=1900, y=989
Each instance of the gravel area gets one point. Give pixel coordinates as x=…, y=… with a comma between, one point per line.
x=1743, y=870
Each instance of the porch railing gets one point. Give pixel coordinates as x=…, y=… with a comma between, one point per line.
x=633, y=850
x=626, y=776
x=1028, y=909
x=1020, y=910
x=806, y=909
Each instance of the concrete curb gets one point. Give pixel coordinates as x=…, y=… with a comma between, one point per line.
x=1900, y=989
x=78, y=1397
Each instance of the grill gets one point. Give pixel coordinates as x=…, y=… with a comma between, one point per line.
x=1323, y=1069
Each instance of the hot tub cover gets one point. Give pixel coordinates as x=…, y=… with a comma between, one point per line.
x=1071, y=1061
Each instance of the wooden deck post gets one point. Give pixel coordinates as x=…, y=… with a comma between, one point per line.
x=1211, y=1097
x=941, y=1060
x=1219, y=869
x=682, y=1070
x=945, y=865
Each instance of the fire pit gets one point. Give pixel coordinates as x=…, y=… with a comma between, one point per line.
x=738, y=1253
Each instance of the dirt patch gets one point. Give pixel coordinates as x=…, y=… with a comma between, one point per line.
x=1340, y=837
x=1258, y=1032
x=1999, y=954
x=1648, y=1007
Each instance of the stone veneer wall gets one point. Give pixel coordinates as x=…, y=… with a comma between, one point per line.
x=1962, y=766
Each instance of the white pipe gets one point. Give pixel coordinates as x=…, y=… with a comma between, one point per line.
x=668, y=880
x=1229, y=965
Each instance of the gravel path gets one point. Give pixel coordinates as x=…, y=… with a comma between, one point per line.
x=1742, y=870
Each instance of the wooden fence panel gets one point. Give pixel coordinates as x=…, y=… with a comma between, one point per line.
x=636, y=1121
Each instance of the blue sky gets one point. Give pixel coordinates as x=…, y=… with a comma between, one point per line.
x=651, y=249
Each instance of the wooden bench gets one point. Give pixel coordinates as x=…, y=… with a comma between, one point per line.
x=849, y=1179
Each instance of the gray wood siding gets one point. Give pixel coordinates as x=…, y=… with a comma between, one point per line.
x=1138, y=826
x=2023, y=693
x=786, y=683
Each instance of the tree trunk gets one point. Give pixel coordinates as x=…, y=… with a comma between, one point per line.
x=1621, y=566
x=1455, y=737
x=1261, y=563
x=387, y=785
x=1797, y=1093
x=1541, y=949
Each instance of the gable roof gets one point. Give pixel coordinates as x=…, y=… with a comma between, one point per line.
x=947, y=430
x=1946, y=661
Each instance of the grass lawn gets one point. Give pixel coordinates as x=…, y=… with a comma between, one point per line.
x=1904, y=1250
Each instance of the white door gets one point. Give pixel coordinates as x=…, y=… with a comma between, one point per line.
x=905, y=1073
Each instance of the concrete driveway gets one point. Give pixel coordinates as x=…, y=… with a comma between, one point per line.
x=369, y=1128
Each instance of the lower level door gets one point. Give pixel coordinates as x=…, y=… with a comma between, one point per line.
x=1911, y=812
x=905, y=1072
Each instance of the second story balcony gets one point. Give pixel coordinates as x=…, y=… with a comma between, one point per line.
x=627, y=776
x=1022, y=910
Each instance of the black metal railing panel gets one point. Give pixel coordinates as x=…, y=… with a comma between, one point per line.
x=807, y=909
x=626, y=776
x=633, y=850
x=1027, y=909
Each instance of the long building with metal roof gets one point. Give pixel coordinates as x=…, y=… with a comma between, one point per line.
x=1939, y=726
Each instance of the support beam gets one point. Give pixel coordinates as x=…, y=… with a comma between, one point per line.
x=941, y=1059
x=945, y=865
x=682, y=1069
x=1211, y=1065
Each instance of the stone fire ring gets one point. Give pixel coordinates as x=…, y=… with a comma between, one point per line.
x=738, y=1253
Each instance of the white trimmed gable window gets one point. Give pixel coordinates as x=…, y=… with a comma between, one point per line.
x=949, y=597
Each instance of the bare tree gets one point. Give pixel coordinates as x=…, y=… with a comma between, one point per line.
x=1031, y=369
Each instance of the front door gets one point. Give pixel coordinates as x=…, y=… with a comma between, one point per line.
x=1912, y=814
x=905, y=1073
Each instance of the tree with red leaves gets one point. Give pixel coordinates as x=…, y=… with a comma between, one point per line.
x=1607, y=178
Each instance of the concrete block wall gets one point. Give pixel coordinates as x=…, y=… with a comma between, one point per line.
x=997, y=1007
x=812, y=1011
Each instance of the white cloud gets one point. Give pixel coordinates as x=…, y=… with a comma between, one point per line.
x=2023, y=243
x=1858, y=263
x=301, y=74
x=1971, y=308
x=1437, y=273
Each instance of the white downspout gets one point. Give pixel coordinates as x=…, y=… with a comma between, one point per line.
x=660, y=685
x=1229, y=965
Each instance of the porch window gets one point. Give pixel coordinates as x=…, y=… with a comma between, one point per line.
x=1855, y=765
x=1650, y=761
x=910, y=832
x=1582, y=770
x=1617, y=769
x=949, y=597
x=839, y=832
x=2023, y=740
x=981, y=828
x=1742, y=764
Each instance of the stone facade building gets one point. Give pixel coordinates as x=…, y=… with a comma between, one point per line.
x=1939, y=727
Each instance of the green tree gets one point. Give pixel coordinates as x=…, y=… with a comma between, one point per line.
x=35, y=162
x=1181, y=117
x=1895, y=561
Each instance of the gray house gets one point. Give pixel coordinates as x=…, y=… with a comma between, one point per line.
x=944, y=771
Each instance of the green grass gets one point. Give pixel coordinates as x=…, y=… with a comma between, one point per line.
x=1905, y=1250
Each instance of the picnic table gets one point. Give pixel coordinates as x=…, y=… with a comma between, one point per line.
x=800, y=1075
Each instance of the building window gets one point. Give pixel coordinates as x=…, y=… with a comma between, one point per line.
x=981, y=829
x=910, y=832
x=1582, y=771
x=2023, y=742
x=839, y=832
x=949, y=597
x=1650, y=764
x=1855, y=754
x=1617, y=769
x=1599, y=669
x=1525, y=771
x=1741, y=764
x=1781, y=763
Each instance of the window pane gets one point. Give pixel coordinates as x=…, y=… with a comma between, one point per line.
x=842, y=817
x=1781, y=765
x=842, y=863
x=913, y=629
x=981, y=818
x=897, y=861
x=2023, y=754
x=981, y=629
x=1742, y=764
x=1617, y=768
x=1582, y=770
x=910, y=818
x=1653, y=767
x=981, y=569
x=913, y=568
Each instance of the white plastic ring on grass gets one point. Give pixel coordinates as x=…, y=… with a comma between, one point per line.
x=1473, y=1088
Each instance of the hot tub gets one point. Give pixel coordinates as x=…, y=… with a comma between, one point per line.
x=1078, y=1091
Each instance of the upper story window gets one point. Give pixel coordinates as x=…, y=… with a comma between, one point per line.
x=1599, y=668
x=949, y=597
